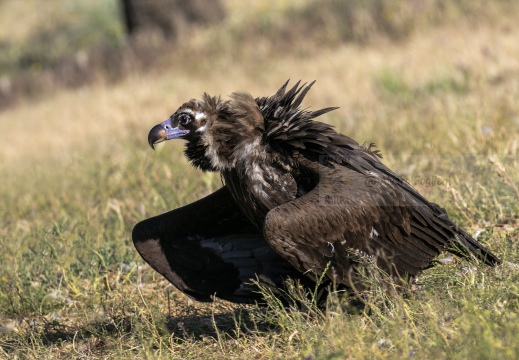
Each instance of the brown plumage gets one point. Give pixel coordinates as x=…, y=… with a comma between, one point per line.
x=299, y=199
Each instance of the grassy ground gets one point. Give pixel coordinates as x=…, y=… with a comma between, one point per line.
x=77, y=174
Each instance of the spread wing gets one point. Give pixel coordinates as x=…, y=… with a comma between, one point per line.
x=346, y=215
x=351, y=214
x=208, y=248
x=358, y=206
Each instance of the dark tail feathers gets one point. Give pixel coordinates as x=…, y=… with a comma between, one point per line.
x=468, y=245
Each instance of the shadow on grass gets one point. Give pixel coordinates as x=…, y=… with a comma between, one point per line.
x=193, y=327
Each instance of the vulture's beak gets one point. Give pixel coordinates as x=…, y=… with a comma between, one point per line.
x=164, y=131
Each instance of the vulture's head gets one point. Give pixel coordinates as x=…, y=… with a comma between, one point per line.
x=218, y=133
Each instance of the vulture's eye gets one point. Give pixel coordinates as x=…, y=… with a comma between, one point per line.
x=184, y=119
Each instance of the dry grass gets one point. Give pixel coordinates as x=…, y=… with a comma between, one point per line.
x=77, y=174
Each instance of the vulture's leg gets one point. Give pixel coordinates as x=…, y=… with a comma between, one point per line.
x=208, y=248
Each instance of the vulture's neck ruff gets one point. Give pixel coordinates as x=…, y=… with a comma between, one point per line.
x=232, y=136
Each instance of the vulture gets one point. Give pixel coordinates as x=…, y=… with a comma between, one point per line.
x=299, y=201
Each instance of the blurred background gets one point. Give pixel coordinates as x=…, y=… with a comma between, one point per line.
x=434, y=83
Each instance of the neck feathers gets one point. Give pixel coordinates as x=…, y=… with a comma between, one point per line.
x=233, y=133
x=244, y=129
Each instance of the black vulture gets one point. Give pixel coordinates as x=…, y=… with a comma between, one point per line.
x=299, y=200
